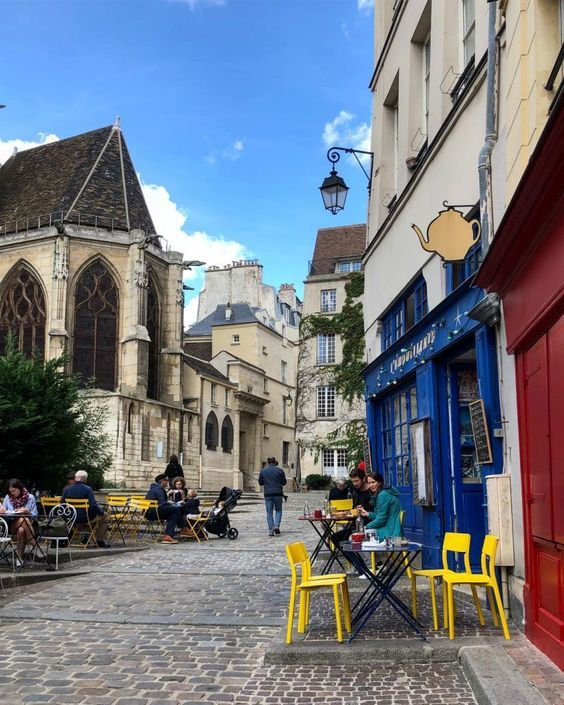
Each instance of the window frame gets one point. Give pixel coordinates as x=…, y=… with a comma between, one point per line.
x=328, y=303
x=285, y=453
x=467, y=33
x=338, y=459
x=426, y=63
x=325, y=402
x=348, y=266
x=326, y=349
x=394, y=323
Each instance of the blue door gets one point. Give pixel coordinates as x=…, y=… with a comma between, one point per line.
x=466, y=477
x=396, y=413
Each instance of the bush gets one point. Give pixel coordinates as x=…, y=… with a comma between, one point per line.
x=318, y=482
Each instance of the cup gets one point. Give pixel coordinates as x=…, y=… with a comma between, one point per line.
x=317, y=514
x=397, y=541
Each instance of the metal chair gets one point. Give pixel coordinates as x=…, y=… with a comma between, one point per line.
x=47, y=504
x=85, y=527
x=68, y=513
x=195, y=527
x=5, y=541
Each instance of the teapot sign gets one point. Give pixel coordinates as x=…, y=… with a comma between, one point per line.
x=450, y=235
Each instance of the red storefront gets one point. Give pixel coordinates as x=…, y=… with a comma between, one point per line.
x=525, y=267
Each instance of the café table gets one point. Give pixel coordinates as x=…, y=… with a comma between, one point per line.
x=326, y=527
x=380, y=588
x=37, y=534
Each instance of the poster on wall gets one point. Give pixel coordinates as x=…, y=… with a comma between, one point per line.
x=481, y=432
x=421, y=463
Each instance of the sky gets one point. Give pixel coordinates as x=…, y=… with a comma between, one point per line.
x=228, y=108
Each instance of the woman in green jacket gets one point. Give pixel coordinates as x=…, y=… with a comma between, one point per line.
x=385, y=506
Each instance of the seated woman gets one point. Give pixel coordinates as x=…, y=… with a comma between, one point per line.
x=178, y=492
x=19, y=501
x=385, y=514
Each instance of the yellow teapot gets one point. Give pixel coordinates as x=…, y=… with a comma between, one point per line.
x=450, y=235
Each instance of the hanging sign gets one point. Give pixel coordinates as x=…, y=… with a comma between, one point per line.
x=450, y=235
x=480, y=432
x=367, y=455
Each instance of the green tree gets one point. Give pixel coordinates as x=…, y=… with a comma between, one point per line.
x=48, y=426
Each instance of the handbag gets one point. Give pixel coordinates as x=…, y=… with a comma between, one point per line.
x=55, y=527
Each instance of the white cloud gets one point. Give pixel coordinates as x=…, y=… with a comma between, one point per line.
x=193, y=4
x=365, y=5
x=232, y=152
x=343, y=131
x=7, y=146
x=170, y=222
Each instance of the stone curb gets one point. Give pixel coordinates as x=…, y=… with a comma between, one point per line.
x=496, y=679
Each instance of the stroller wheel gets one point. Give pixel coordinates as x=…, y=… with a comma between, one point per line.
x=222, y=534
x=232, y=534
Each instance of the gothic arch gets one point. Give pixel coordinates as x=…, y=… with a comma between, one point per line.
x=227, y=435
x=212, y=431
x=154, y=330
x=96, y=322
x=23, y=309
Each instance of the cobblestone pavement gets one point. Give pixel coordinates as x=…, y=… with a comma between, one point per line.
x=187, y=624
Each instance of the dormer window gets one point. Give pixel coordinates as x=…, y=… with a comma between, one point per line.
x=349, y=266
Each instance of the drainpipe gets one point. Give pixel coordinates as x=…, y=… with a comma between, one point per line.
x=484, y=163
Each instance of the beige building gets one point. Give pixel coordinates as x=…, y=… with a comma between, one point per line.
x=82, y=271
x=254, y=344
x=320, y=410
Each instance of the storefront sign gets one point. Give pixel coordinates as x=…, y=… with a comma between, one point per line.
x=450, y=235
x=414, y=350
x=480, y=432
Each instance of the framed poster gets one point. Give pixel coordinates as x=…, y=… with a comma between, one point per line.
x=481, y=432
x=421, y=463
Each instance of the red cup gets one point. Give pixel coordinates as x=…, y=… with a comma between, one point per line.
x=357, y=538
x=317, y=514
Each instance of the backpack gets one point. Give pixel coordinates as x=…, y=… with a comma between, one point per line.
x=54, y=527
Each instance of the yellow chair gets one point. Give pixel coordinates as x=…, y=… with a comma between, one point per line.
x=85, y=527
x=139, y=509
x=119, y=513
x=195, y=528
x=298, y=556
x=49, y=503
x=341, y=505
x=487, y=578
x=452, y=543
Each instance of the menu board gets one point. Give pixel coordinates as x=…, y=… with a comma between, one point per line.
x=480, y=432
x=367, y=455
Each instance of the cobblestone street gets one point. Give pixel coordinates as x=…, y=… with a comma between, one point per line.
x=187, y=624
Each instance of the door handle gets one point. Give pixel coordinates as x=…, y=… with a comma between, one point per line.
x=532, y=497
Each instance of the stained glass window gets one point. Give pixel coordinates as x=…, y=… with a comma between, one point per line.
x=96, y=326
x=22, y=312
x=153, y=328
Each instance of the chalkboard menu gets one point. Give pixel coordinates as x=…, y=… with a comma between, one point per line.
x=480, y=432
x=367, y=456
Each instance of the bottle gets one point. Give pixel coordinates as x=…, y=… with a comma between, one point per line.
x=307, y=510
x=359, y=525
x=326, y=508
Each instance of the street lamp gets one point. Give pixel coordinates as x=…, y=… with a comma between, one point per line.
x=334, y=189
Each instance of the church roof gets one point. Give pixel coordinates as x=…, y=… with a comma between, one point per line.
x=89, y=178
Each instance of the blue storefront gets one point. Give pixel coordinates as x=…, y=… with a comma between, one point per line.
x=434, y=371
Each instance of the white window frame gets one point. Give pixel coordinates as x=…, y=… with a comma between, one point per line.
x=349, y=266
x=426, y=82
x=213, y=393
x=326, y=402
x=227, y=400
x=467, y=33
x=328, y=301
x=235, y=339
x=283, y=371
x=326, y=349
x=334, y=462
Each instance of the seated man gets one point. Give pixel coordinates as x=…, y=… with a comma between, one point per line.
x=361, y=498
x=340, y=491
x=99, y=520
x=173, y=515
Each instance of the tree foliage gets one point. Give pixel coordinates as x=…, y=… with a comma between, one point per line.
x=48, y=426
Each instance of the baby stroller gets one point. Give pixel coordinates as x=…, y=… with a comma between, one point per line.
x=218, y=520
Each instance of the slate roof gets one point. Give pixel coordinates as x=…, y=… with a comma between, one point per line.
x=201, y=349
x=202, y=367
x=80, y=176
x=242, y=313
x=334, y=244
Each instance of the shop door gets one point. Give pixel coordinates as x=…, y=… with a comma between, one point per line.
x=397, y=412
x=466, y=478
x=543, y=478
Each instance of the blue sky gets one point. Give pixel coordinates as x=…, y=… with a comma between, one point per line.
x=227, y=107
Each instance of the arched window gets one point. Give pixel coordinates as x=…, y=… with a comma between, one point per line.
x=22, y=312
x=96, y=326
x=212, y=431
x=227, y=435
x=190, y=429
x=153, y=328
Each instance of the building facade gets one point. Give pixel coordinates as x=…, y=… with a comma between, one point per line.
x=82, y=272
x=320, y=409
x=253, y=342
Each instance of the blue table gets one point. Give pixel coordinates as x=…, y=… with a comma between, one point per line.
x=380, y=586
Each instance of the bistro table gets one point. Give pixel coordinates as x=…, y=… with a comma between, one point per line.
x=396, y=561
x=325, y=528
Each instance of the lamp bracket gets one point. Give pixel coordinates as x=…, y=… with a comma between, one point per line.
x=333, y=156
x=458, y=205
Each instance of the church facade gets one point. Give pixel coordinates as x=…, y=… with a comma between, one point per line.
x=83, y=272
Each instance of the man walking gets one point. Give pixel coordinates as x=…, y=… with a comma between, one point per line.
x=273, y=479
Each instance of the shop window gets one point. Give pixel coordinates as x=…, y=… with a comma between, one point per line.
x=212, y=429
x=405, y=314
x=227, y=435
x=398, y=411
x=22, y=313
x=335, y=462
